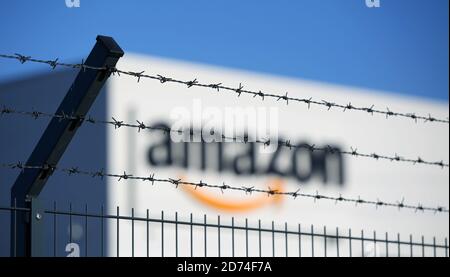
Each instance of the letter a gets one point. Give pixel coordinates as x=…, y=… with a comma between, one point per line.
x=373, y=3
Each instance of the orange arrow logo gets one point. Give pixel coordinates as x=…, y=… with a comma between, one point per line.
x=232, y=205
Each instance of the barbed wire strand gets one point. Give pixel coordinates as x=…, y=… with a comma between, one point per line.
x=223, y=187
x=240, y=139
x=237, y=90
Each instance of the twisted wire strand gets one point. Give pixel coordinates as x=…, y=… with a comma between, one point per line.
x=139, y=125
x=248, y=190
x=236, y=90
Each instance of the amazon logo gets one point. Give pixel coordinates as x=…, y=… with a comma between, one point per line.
x=233, y=205
x=300, y=164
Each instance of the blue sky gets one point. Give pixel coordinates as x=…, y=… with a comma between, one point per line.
x=403, y=46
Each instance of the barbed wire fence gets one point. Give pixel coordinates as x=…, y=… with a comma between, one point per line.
x=246, y=189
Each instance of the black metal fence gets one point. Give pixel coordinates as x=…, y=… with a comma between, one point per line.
x=81, y=232
x=37, y=230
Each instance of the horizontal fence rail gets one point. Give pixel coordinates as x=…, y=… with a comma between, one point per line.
x=223, y=187
x=240, y=139
x=216, y=87
x=206, y=237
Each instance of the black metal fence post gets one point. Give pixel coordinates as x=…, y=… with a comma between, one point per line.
x=55, y=140
x=37, y=228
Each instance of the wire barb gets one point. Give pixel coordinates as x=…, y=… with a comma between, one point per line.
x=191, y=83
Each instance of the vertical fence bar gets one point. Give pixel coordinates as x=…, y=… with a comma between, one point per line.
x=387, y=244
x=299, y=240
x=176, y=234
x=273, y=239
x=117, y=233
x=398, y=244
x=192, y=243
x=446, y=247
x=411, y=246
x=218, y=235
x=204, y=232
x=15, y=228
x=312, y=240
x=375, y=243
x=86, y=230
x=132, y=232
x=325, y=239
x=246, y=237
x=286, y=238
x=337, y=241
x=70, y=222
x=54, y=228
x=259, y=238
x=350, y=241
x=162, y=233
x=362, y=243
x=434, y=246
x=232, y=236
x=148, y=233
x=423, y=246
x=102, y=231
